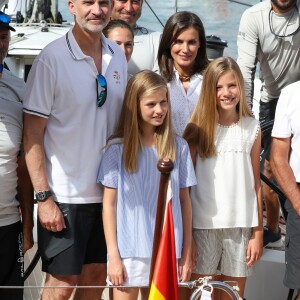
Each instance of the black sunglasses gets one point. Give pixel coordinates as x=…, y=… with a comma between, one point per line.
x=101, y=98
x=4, y=18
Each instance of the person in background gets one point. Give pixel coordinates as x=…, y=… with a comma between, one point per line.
x=269, y=34
x=285, y=164
x=146, y=41
x=224, y=140
x=72, y=102
x=15, y=186
x=122, y=33
x=182, y=59
x=131, y=179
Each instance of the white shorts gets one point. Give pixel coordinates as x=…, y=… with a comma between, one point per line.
x=138, y=272
x=222, y=250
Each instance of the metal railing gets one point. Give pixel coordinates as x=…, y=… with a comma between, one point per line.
x=198, y=286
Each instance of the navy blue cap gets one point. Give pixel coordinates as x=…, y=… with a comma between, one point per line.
x=4, y=21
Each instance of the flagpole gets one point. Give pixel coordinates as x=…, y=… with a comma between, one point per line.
x=165, y=166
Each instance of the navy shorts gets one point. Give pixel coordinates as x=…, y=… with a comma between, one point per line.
x=266, y=114
x=82, y=242
x=11, y=261
x=292, y=249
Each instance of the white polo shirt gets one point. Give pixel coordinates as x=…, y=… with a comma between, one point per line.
x=62, y=86
x=144, y=56
x=286, y=123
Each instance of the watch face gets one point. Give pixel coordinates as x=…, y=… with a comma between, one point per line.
x=43, y=195
x=40, y=195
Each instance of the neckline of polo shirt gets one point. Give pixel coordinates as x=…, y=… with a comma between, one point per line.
x=76, y=51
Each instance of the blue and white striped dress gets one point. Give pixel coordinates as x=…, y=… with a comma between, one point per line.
x=137, y=196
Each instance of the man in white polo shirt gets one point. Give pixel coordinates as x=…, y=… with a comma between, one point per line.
x=72, y=102
x=285, y=162
x=146, y=41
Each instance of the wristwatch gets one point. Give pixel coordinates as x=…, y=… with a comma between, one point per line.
x=42, y=195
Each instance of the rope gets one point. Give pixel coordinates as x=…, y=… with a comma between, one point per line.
x=154, y=14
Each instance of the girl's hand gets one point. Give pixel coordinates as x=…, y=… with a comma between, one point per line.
x=185, y=267
x=255, y=247
x=116, y=271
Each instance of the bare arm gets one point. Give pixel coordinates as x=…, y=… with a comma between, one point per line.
x=283, y=172
x=25, y=196
x=116, y=271
x=185, y=263
x=50, y=215
x=255, y=245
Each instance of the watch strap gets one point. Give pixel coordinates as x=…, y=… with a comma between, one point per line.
x=42, y=196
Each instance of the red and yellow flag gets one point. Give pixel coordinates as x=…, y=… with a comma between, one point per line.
x=164, y=284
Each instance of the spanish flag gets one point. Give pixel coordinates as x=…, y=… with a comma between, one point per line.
x=164, y=285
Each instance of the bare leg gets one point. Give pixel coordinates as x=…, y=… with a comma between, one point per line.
x=271, y=200
x=91, y=275
x=126, y=294
x=59, y=293
x=145, y=293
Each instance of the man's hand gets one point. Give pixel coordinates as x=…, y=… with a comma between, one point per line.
x=51, y=216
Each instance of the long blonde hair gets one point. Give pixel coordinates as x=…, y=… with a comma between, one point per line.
x=200, y=132
x=141, y=85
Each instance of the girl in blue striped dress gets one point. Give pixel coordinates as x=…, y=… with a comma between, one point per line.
x=129, y=174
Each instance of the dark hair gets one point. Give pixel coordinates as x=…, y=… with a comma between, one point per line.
x=112, y=24
x=177, y=23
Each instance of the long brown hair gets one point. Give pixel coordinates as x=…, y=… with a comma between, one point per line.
x=141, y=85
x=200, y=132
x=175, y=25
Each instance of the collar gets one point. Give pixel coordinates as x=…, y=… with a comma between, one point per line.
x=77, y=54
x=76, y=51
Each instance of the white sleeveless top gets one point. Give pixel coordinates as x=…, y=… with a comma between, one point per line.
x=225, y=196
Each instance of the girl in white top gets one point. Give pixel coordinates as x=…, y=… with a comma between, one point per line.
x=182, y=58
x=224, y=140
x=130, y=177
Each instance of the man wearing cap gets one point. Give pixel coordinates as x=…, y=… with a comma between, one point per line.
x=269, y=33
x=73, y=97
x=13, y=174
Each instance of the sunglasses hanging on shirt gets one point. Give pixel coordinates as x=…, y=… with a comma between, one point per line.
x=101, y=98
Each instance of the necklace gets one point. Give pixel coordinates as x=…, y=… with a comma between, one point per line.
x=284, y=35
x=184, y=78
